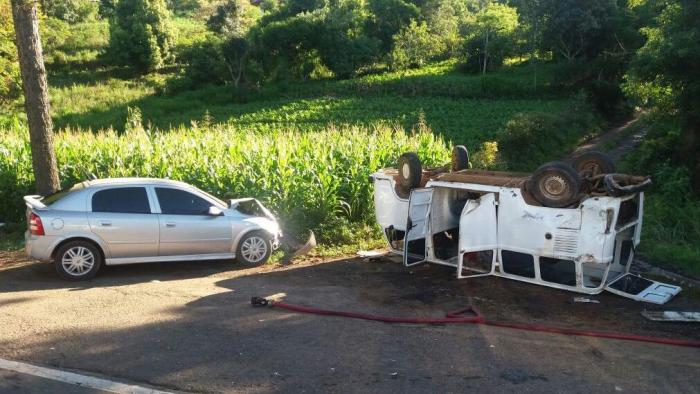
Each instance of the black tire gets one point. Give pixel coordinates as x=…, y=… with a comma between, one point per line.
x=555, y=185
x=593, y=163
x=410, y=170
x=618, y=185
x=78, y=260
x=460, y=158
x=249, y=244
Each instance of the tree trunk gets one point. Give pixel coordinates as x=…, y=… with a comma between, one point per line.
x=486, y=51
x=36, y=98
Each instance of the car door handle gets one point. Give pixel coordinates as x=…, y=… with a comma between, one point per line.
x=105, y=224
x=169, y=224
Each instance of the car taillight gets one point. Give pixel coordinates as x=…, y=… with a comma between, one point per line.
x=35, y=225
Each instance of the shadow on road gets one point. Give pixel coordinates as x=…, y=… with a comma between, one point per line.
x=218, y=342
x=42, y=276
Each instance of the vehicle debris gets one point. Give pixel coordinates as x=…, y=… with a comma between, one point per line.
x=572, y=226
x=673, y=316
x=585, y=300
x=371, y=254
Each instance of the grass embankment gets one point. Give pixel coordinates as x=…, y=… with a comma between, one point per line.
x=671, y=229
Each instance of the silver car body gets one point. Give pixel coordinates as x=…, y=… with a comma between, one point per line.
x=126, y=238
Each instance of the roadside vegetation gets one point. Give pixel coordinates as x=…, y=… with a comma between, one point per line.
x=297, y=101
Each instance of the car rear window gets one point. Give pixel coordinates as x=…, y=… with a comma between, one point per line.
x=121, y=200
x=180, y=202
x=53, y=197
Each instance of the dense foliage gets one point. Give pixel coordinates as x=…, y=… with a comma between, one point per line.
x=140, y=35
x=10, y=84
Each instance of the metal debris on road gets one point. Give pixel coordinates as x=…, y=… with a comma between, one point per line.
x=674, y=316
x=585, y=300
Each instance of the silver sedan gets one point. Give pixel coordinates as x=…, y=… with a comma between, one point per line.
x=140, y=220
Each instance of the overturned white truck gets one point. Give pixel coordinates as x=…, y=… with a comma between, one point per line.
x=568, y=226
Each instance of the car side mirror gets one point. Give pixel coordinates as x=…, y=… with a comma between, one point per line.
x=214, y=211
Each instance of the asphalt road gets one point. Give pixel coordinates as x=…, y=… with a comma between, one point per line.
x=190, y=327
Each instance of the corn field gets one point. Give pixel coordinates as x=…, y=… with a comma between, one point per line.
x=310, y=179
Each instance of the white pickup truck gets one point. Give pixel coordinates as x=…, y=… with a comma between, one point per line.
x=568, y=227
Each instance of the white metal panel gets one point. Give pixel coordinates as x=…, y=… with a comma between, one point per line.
x=478, y=225
x=417, y=226
x=390, y=209
x=655, y=292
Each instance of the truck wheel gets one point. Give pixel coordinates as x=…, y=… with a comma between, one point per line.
x=460, y=158
x=410, y=170
x=77, y=260
x=555, y=184
x=593, y=163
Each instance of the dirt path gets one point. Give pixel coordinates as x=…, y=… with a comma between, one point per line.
x=617, y=141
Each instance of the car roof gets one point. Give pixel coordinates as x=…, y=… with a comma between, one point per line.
x=133, y=181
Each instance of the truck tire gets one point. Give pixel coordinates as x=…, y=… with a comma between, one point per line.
x=593, y=163
x=410, y=170
x=460, y=158
x=555, y=184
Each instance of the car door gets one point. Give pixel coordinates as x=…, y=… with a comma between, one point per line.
x=187, y=228
x=123, y=218
x=478, y=236
x=417, y=226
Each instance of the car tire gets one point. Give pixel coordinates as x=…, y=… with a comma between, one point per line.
x=555, y=184
x=410, y=170
x=593, y=163
x=78, y=260
x=254, y=248
x=460, y=158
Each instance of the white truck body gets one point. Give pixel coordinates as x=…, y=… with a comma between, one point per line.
x=481, y=223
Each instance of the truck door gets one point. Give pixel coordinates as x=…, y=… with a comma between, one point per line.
x=478, y=237
x=417, y=230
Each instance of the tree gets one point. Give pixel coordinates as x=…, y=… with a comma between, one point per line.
x=492, y=35
x=344, y=47
x=140, y=35
x=10, y=80
x=36, y=98
x=72, y=11
x=414, y=46
x=666, y=69
x=388, y=17
x=580, y=28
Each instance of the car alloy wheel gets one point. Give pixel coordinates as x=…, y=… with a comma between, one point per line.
x=78, y=260
x=254, y=249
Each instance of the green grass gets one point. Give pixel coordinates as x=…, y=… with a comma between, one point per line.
x=452, y=103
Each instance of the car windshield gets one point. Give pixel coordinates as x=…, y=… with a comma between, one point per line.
x=53, y=197
x=223, y=204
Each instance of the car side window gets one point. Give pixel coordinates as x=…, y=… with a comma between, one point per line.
x=180, y=202
x=121, y=200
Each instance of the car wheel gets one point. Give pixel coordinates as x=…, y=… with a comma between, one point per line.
x=593, y=163
x=410, y=170
x=555, y=185
x=460, y=158
x=254, y=248
x=78, y=260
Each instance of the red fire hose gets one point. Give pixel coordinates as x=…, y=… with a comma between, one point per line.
x=472, y=316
